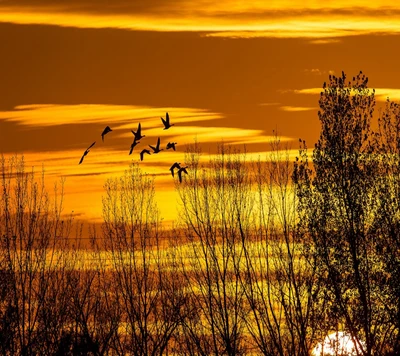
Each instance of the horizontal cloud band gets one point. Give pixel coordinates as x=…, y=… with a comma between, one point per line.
x=227, y=18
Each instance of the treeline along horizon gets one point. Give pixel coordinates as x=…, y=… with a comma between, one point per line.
x=267, y=257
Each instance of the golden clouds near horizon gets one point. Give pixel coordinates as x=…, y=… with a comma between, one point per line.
x=124, y=118
x=226, y=18
x=83, y=185
x=109, y=159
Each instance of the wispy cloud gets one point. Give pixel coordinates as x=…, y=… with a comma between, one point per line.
x=124, y=115
x=381, y=94
x=314, y=71
x=269, y=104
x=296, y=108
x=317, y=71
x=231, y=135
x=311, y=91
x=322, y=41
x=226, y=18
x=123, y=119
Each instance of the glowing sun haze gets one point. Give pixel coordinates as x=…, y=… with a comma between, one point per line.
x=226, y=71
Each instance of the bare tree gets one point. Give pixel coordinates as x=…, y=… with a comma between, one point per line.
x=93, y=311
x=33, y=232
x=279, y=281
x=150, y=309
x=215, y=218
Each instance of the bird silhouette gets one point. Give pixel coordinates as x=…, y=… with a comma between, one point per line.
x=138, y=133
x=157, y=148
x=182, y=169
x=143, y=152
x=166, y=123
x=171, y=145
x=105, y=131
x=133, y=145
x=86, y=152
x=175, y=165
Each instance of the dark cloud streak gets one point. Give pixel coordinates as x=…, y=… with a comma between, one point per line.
x=86, y=174
x=161, y=8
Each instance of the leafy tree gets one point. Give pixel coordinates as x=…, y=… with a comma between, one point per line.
x=340, y=212
x=387, y=223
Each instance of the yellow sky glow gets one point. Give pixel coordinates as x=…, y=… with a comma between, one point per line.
x=51, y=115
x=297, y=108
x=123, y=119
x=188, y=134
x=84, y=182
x=381, y=94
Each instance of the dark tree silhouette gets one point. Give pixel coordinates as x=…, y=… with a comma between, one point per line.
x=339, y=211
x=149, y=302
x=279, y=277
x=267, y=257
x=387, y=223
x=33, y=301
x=213, y=198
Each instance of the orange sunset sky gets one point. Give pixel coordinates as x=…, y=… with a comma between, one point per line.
x=225, y=70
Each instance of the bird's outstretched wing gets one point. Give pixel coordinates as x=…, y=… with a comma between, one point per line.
x=105, y=131
x=86, y=152
x=175, y=165
x=171, y=145
x=133, y=145
x=143, y=152
x=181, y=169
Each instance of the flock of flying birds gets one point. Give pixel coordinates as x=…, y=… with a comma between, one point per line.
x=156, y=149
